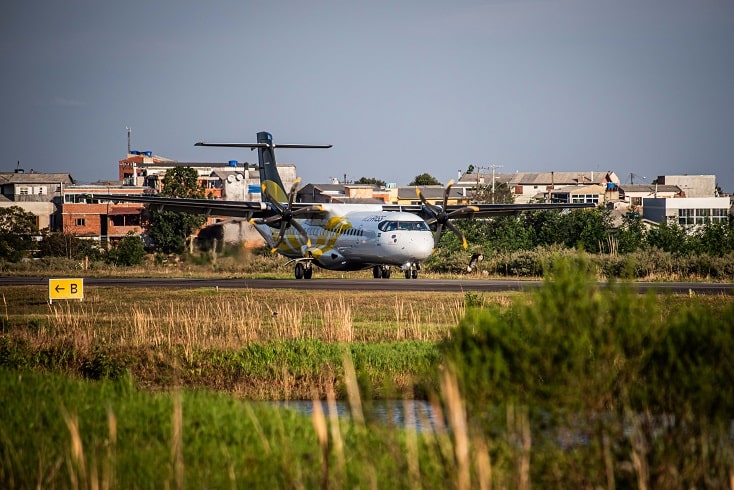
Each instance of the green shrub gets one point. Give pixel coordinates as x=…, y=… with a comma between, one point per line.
x=128, y=251
x=602, y=364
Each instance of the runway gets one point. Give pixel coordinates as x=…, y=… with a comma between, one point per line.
x=399, y=284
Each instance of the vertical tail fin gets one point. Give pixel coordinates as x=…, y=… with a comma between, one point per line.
x=269, y=176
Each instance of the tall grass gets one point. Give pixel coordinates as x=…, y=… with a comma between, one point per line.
x=571, y=386
x=616, y=389
x=62, y=433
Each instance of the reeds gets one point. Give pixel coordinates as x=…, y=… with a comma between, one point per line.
x=231, y=321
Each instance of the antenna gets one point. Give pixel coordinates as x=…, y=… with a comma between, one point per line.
x=128, y=138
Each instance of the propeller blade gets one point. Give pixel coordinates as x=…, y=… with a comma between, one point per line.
x=431, y=208
x=303, y=233
x=439, y=231
x=294, y=190
x=446, y=193
x=281, y=235
x=271, y=219
x=458, y=233
x=308, y=210
x=463, y=211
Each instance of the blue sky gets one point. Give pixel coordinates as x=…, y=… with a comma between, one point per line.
x=399, y=88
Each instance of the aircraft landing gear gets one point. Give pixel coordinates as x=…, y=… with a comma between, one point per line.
x=411, y=270
x=303, y=271
x=381, y=271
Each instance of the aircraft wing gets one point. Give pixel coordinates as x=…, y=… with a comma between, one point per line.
x=209, y=207
x=490, y=210
x=485, y=210
x=213, y=207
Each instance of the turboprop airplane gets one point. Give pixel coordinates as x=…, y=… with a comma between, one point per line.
x=340, y=237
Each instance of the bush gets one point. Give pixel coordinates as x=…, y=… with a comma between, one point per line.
x=588, y=364
x=128, y=251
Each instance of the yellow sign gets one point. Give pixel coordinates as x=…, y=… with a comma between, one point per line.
x=65, y=289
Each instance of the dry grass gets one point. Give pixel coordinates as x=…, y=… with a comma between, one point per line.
x=230, y=319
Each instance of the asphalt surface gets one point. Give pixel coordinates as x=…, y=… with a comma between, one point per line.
x=397, y=284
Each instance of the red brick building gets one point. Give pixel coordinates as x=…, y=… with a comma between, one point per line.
x=105, y=220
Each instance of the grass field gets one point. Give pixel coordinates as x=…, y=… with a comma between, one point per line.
x=569, y=386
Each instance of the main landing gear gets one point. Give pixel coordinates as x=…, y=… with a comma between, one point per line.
x=381, y=271
x=303, y=270
x=411, y=270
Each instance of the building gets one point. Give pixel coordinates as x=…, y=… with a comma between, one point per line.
x=407, y=195
x=103, y=220
x=37, y=193
x=687, y=211
x=691, y=185
x=345, y=193
x=572, y=194
x=529, y=187
x=631, y=195
x=231, y=180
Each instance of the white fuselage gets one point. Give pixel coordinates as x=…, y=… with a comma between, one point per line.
x=357, y=236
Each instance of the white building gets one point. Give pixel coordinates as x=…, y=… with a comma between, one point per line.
x=687, y=211
x=536, y=186
x=691, y=185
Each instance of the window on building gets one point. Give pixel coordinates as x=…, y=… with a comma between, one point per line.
x=636, y=201
x=125, y=220
x=81, y=222
x=585, y=198
x=702, y=216
x=23, y=191
x=558, y=198
x=721, y=214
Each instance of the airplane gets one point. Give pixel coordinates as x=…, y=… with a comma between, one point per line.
x=338, y=236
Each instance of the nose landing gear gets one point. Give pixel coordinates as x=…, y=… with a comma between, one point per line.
x=303, y=270
x=381, y=271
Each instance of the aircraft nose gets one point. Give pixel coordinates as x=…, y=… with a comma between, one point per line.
x=423, y=247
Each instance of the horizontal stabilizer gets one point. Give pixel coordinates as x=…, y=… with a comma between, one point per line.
x=259, y=145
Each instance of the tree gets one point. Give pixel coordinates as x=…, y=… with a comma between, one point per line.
x=500, y=195
x=670, y=237
x=182, y=182
x=425, y=179
x=17, y=228
x=168, y=229
x=66, y=245
x=631, y=235
x=370, y=181
x=127, y=252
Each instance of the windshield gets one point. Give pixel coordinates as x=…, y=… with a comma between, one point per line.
x=403, y=226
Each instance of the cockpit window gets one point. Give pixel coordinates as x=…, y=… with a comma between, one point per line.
x=403, y=226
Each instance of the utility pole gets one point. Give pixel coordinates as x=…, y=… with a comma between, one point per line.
x=493, y=167
x=479, y=169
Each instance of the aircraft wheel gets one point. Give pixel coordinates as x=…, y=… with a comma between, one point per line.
x=407, y=273
x=299, y=271
x=386, y=273
x=308, y=273
x=414, y=274
x=377, y=272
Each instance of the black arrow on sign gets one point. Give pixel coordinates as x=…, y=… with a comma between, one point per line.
x=58, y=287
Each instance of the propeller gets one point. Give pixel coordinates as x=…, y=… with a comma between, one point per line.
x=441, y=218
x=285, y=215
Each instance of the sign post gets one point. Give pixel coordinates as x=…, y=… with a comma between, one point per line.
x=65, y=289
